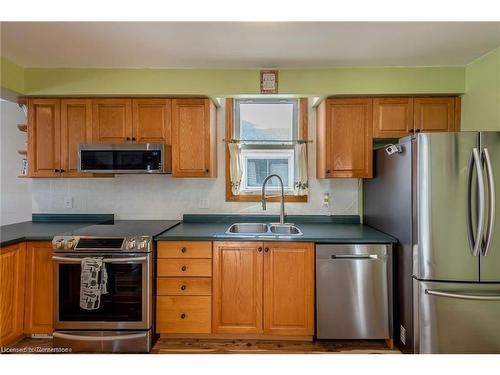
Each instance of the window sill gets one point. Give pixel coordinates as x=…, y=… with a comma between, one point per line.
x=257, y=198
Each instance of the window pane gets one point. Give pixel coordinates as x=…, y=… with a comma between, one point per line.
x=259, y=169
x=266, y=121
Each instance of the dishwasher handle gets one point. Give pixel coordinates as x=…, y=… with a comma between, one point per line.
x=356, y=256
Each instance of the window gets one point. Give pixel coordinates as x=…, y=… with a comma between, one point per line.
x=266, y=129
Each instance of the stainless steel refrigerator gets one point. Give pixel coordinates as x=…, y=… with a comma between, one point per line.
x=436, y=193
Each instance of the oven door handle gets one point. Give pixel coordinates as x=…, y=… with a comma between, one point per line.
x=105, y=260
x=98, y=338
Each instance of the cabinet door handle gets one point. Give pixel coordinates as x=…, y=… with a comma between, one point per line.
x=183, y=268
x=412, y=130
x=183, y=287
x=183, y=250
x=183, y=316
x=266, y=249
x=328, y=171
x=128, y=138
x=259, y=249
x=207, y=170
x=62, y=171
x=133, y=138
x=57, y=170
x=417, y=130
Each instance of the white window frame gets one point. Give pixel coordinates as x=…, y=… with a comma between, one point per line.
x=268, y=150
x=268, y=154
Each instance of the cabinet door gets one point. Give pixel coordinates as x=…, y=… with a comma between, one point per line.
x=289, y=288
x=44, y=138
x=76, y=128
x=111, y=120
x=346, y=150
x=237, y=287
x=151, y=120
x=193, y=138
x=12, y=272
x=392, y=117
x=435, y=114
x=39, y=288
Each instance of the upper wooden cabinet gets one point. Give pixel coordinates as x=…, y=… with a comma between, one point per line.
x=111, y=120
x=44, y=138
x=400, y=117
x=12, y=275
x=39, y=303
x=263, y=288
x=194, y=146
x=151, y=120
x=344, y=138
x=392, y=117
x=437, y=114
x=76, y=128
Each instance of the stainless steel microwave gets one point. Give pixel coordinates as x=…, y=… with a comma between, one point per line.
x=121, y=158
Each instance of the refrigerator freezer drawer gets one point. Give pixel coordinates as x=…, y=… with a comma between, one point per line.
x=457, y=317
x=353, y=291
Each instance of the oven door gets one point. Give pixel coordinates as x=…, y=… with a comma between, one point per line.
x=127, y=305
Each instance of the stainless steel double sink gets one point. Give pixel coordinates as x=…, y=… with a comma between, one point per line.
x=264, y=230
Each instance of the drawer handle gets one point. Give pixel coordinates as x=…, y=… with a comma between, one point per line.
x=183, y=316
x=183, y=287
x=266, y=249
x=183, y=268
x=259, y=249
x=183, y=250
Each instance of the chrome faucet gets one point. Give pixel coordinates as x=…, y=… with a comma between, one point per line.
x=282, y=211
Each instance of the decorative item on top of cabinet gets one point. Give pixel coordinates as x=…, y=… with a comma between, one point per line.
x=111, y=120
x=38, y=317
x=194, y=145
x=437, y=114
x=263, y=288
x=392, y=117
x=12, y=279
x=184, y=287
x=344, y=138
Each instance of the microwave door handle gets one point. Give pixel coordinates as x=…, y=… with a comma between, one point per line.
x=492, y=203
x=481, y=193
x=105, y=260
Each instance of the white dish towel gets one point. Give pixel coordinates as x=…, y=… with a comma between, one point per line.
x=93, y=283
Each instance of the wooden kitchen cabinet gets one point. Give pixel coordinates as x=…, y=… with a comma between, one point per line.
x=238, y=287
x=39, y=304
x=76, y=128
x=111, y=120
x=151, y=120
x=44, y=138
x=194, y=145
x=437, y=114
x=392, y=117
x=263, y=288
x=12, y=280
x=289, y=288
x=344, y=138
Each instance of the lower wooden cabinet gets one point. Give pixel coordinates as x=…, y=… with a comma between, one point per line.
x=263, y=288
x=39, y=304
x=12, y=275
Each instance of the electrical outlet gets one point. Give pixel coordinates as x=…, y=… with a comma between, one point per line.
x=68, y=202
x=204, y=203
x=326, y=199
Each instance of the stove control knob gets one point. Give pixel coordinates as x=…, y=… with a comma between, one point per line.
x=59, y=244
x=130, y=244
x=143, y=244
x=69, y=244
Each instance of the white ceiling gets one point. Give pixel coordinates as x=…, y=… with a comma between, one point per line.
x=246, y=45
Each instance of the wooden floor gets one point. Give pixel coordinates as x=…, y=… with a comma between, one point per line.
x=205, y=346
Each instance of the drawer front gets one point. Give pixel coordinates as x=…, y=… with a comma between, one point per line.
x=184, y=287
x=184, y=314
x=184, y=267
x=184, y=249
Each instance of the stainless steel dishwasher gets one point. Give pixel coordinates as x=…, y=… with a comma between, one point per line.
x=353, y=291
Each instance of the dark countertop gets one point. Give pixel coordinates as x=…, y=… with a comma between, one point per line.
x=335, y=231
x=43, y=231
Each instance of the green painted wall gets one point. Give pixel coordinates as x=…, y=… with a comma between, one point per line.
x=11, y=75
x=481, y=103
x=314, y=82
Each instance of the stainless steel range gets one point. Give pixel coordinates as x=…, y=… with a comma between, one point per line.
x=123, y=321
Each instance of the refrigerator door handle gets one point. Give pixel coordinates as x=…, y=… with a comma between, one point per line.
x=468, y=215
x=492, y=203
x=480, y=189
x=468, y=296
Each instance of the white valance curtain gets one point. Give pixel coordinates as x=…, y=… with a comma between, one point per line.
x=235, y=168
x=301, y=183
